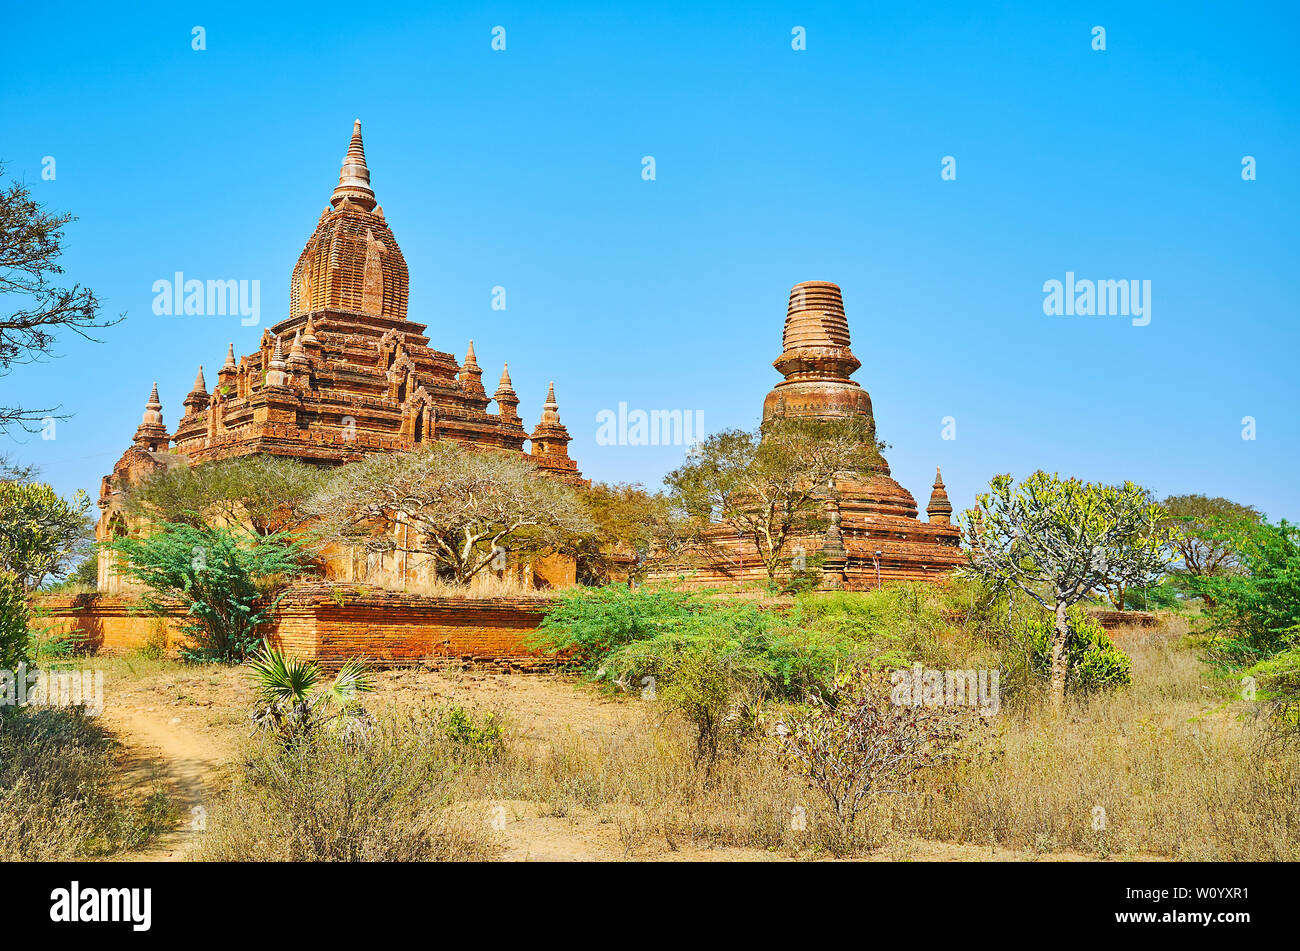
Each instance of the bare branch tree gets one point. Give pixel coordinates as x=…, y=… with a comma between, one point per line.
x=30, y=244
x=455, y=506
x=770, y=485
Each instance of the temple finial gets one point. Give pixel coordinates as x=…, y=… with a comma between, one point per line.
x=151, y=433
x=230, y=358
x=200, y=386
x=275, y=372
x=354, y=178
x=470, y=359
x=940, y=507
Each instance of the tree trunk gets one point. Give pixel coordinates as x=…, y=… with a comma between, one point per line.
x=1060, y=656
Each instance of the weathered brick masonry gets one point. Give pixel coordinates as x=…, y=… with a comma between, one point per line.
x=330, y=623
x=391, y=628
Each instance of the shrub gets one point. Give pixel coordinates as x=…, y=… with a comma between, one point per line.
x=472, y=738
x=229, y=583
x=293, y=703
x=889, y=627
x=1255, y=612
x=622, y=636
x=853, y=742
x=711, y=689
x=328, y=799
x=14, y=618
x=1277, y=681
x=585, y=625
x=1093, y=661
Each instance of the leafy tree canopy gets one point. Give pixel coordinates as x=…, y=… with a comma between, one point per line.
x=39, y=530
x=227, y=582
x=1058, y=539
x=771, y=485
x=258, y=495
x=1203, y=546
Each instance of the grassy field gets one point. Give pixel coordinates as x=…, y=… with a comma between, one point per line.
x=554, y=767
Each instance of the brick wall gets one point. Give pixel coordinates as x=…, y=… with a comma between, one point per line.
x=110, y=622
x=332, y=623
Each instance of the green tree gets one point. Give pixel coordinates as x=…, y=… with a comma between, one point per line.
x=632, y=529
x=228, y=583
x=14, y=620
x=258, y=495
x=36, y=307
x=1253, y=612
x=1058, y=539
x=39, y=530
x=770, y=485
x=1203, y=532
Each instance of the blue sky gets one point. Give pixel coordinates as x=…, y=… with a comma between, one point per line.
x=522, y=169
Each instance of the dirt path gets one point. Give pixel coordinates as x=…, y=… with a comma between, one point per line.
x=160, y=746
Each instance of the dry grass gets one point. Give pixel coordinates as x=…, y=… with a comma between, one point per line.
x=60, y=795
x=332, y=799
x=1175, y=761
x=487, y=584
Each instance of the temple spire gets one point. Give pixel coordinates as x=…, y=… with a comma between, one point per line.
x=506, y=397
x=550, y=440
x=471, y=380
x=198, y=397
x=940, y=508
x=152, y=434
x=354, y=177
x=228, y=373
x=275, y=374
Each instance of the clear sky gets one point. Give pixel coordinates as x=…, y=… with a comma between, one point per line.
x=522, y=169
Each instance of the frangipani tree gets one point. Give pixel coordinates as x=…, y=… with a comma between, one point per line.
x=1057, y=539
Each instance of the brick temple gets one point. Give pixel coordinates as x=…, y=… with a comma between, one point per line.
x=873, y=532
x=345, y=374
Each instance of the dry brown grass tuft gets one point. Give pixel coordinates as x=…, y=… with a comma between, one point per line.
x=486, y=585
x=60, y=795
x=1174, y=761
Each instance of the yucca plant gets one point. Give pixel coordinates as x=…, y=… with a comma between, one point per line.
x=293, y=703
